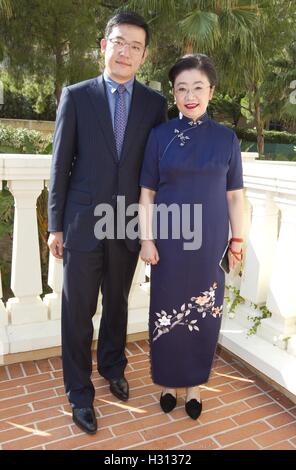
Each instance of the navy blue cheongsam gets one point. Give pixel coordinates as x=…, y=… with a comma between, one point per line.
x=189, y=165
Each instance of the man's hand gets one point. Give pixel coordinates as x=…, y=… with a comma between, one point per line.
x=55, y=243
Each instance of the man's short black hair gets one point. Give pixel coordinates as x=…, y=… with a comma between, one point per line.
x=128, y=17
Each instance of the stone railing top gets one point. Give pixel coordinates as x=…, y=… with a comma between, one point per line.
x=249, y=156
x=24, y=167
x=273, y=176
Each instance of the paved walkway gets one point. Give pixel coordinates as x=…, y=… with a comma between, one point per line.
x=240, y=410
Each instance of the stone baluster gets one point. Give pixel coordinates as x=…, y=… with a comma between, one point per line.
x=281, y=296
x=260, y=246
x=26, y=284
x=3, y=311
x=139, y=300
x=4, y=343
x=55, y=281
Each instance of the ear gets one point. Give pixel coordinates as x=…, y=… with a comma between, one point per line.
x=103, y=44
x=145, y=55
x=212, y=92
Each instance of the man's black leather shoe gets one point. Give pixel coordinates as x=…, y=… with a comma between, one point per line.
x=119, y=388
x=85, y=419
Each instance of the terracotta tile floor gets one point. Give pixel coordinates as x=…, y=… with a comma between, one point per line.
x=240, y=411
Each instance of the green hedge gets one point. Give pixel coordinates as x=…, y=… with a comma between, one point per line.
x=250, y=135
x=279, y=157
x=29, y=141
x=270, y=137
x=18, y=106
x=273, y=137
x=24, y=141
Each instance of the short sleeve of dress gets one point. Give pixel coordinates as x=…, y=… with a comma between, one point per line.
x=235, y=171
x=150, y=170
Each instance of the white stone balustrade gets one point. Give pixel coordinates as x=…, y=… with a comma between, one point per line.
x=269, y=274
x=29, y=323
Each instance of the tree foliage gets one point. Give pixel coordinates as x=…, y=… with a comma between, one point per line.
x=54, y=40
x=53, y=43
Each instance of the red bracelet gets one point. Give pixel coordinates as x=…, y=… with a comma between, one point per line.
x=239, y=240
x=237, y=254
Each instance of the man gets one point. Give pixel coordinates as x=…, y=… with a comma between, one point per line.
x=101, y=130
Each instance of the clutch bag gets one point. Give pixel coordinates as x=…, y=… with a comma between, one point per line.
x=224, y=262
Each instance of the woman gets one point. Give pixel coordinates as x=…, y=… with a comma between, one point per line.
x=195, y=162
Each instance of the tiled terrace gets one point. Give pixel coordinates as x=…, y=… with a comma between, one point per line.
x=241, y=411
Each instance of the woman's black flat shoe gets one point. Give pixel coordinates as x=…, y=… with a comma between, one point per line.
x=167, y=402
x=193, y=408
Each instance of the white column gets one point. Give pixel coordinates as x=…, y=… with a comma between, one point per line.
x=291, y=346
x=139, y=301
x=3, y=311
x=4, y=343
x=140, y=273
x=281, y=297
x=26, y=306
x=55, y=281
x=260, y=247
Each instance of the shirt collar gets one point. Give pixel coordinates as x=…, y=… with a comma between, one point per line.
x=112, y=85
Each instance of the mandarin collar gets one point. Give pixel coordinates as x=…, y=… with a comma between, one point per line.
x=186, y=120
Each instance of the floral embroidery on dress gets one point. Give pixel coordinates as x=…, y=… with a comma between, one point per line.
x=203, y=304
x=183, y=138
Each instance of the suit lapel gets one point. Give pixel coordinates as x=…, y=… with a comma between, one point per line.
x=97, y=94
x=137, y=112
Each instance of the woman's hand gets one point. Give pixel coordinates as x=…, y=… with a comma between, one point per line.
x=233, y=261
x=149, y=252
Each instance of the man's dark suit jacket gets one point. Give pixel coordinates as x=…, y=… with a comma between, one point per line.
x=85, y=168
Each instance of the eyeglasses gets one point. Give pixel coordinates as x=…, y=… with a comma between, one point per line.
x=135, y=48
x=198, y=91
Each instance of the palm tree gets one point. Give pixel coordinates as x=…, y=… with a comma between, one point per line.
x=277, y=89
x=221, y=28
x=5, y=8
x=224, y=29
x=5, y=12
x=273, y=36
x=240, y=35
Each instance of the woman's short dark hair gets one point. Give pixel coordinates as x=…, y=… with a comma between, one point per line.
x=194, y=61
x=128, y=17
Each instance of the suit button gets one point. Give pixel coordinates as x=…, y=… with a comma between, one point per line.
x=114, y=197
